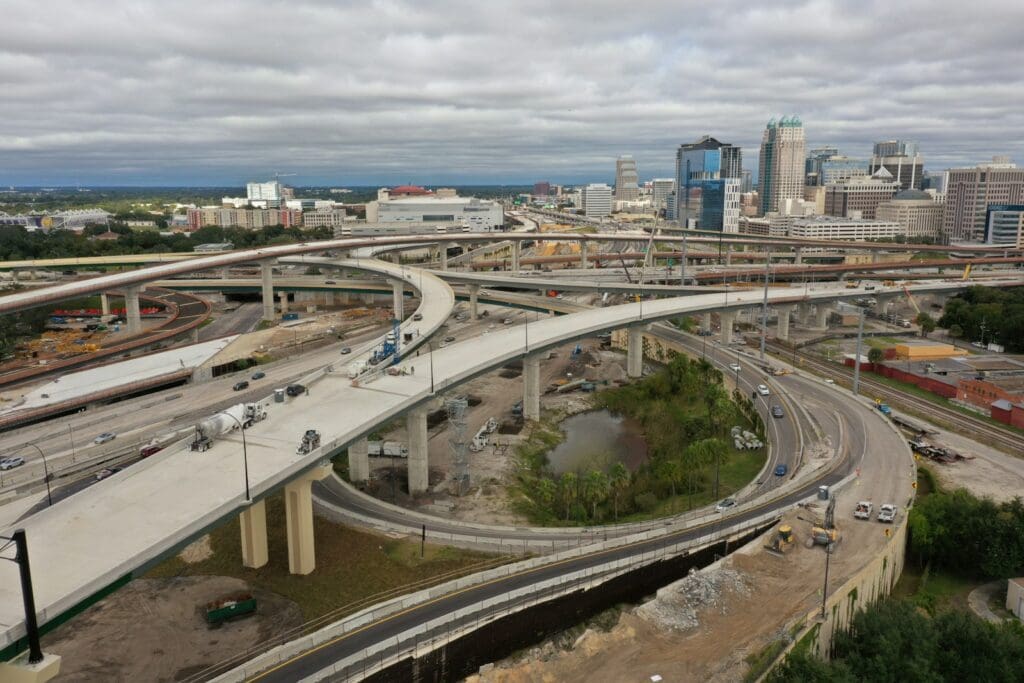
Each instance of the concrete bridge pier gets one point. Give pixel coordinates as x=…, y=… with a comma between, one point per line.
x=584, y=253
x=132, y=313
x=798, y=256
x=419, y=463
x=104, y=304
x=474, y=293
x=531, y=387
x=882, y=304
x=516, y=251
x=728, y=255
x=784, y=312
x=706, y=324
x=398, y=299
x=728, y=319
x=267, y=276
x=444, y=255
x=359, y=461
x=635, y=351
x=821, y=314
x=283, y=298
x=803, y=314
x=298, y=506
x=253, y=522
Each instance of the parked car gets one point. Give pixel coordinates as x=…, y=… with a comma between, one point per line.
x=449, y=339
x=863, y=510
x=259, y=375
x=417, y=316
x=887, y=513
x=295, y=389
x=345, y=350
x=11, y=463
x=241, y=385
x=726, y=504
x=781, y=470
x=735, y=367
x=763, y=389
x=330, y=282
x=777, y=411
x=105, y=437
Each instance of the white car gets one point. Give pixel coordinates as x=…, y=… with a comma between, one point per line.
x=726, y=504
x=105, y=437
x=887, y=513
x=735, y=367
x=11, y=463
x=763, y=390
x=863, y=510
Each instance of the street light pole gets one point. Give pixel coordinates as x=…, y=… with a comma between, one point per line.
x=245, y=453
x=764, y=305
x=46, y=473
x=35, y=651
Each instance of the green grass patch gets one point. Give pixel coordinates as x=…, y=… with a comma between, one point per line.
x=934, y=591
x=352, y=566
x=759, y=662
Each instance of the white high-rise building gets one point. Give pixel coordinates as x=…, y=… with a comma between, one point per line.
x=269, y=191
x=597, y=200
x=661, y=188
x=627, y=179
x=781, y=171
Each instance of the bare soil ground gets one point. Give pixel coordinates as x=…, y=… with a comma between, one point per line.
x=703, y=627
x=154, y=630
x=991, y=473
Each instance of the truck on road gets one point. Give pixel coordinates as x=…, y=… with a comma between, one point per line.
x=863, y=510
x=309, y=443
x=242, y=415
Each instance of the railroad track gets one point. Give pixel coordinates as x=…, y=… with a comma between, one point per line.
x=1008, y=440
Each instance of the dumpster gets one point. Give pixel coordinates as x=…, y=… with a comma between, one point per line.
x=229, y=607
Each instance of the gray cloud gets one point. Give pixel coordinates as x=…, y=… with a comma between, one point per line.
x=191, y=92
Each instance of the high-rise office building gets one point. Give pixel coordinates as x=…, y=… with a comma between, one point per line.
x=708, y=174
x=661, y=188
x=916, y=211
x=266, y=194
x=1004, y=224
x=627, y=179
x=542, y=189
x=825, y=165
x=971, y=191
x=746, y=181
x=597, y=200
x=902, y=160
x=860, y=197
x=781, y=168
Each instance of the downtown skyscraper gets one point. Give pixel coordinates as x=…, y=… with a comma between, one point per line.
x=627, y=179
x=708, y=176
x=781, y=168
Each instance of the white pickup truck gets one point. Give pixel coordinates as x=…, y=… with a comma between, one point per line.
x=887, y=513
x=863, y=510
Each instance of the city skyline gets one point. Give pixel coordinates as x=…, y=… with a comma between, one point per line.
x=454, y=92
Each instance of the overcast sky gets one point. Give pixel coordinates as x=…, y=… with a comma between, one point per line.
x=218, y=92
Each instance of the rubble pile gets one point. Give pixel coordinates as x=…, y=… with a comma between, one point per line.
x=677, y=605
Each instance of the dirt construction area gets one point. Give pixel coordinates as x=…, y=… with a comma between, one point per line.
x=491, y=469
x=705, y=626
x=154, y=630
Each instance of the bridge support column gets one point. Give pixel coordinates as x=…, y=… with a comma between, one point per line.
x=283, y=298
x=584, y=252
x=419, y=463
x=253, y=522
x=881, y=305
x=728, y=255
x=359, y=461
x=803, y=313
x=444, y=256
x=517, y=247
x=821, y=314
x=132, y=313
x=225, y=273
x=531, y=387
x=398, y=299
x=784, y=312
x=706, y=324
x=18, y=670
x=474, y=293
x=798, y=256
x=728, y=319
x=267, y=276
x=635, y=351
x=298, y=506
x=104, y=304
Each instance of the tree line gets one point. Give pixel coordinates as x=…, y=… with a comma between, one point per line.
x=987, y=314
x=686, y=415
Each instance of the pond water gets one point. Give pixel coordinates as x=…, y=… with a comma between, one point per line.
x=597, y=440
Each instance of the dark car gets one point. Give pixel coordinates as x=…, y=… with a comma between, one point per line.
x=345, y=350
x=259, y=375
x=295, y=390
x=330, y=282
x=241, y=385
x=781, y=470
x=777, y=411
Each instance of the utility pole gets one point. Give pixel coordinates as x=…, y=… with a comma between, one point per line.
x=764, y=306
x=856, y=360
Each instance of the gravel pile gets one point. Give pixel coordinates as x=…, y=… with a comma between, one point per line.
x=677, y=605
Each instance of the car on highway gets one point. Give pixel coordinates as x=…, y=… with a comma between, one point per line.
x=259, y=375
x=449, y=339
x=781, y=470
x=417, y=316
x=863, y=510
x=887, y=513
x=106, y=472
x=105, y=437
x=777, y=411
x=295, y=389
x=735, y=367
x=11, y=463
x=763, y=389
x=726, y=504
x=345, y=350
x=829, y=380
x=330, y=282
x=239, y=386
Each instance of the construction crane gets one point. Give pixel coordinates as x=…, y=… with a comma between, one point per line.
x=910, y=298
x=278, y=175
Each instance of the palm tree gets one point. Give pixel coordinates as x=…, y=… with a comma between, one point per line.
x=568, y=483
x=619, y=480
x=596, y=489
